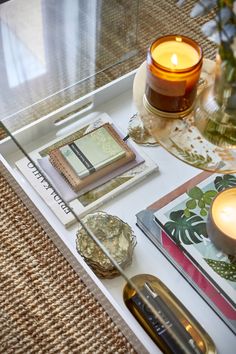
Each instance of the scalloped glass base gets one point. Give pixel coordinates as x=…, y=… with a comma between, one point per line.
x=138, y=133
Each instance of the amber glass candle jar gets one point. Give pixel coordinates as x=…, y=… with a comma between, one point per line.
x=173, y=69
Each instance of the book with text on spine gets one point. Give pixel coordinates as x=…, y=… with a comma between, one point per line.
x=56, y=193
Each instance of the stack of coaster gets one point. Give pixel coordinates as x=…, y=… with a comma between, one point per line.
x=115, y=235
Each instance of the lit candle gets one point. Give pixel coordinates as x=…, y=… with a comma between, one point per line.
x=173, y=70
x=175, y=55
x=221, y=222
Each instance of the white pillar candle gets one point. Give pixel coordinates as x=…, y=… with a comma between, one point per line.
x=221, y=222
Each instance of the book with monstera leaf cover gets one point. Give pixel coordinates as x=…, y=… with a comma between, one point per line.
x=176, y=224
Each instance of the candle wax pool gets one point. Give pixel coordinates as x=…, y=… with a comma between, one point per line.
x=186, y=55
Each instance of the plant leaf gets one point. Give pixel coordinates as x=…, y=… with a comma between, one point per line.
x=209, y=28
x=203, y=212
x=223, y=15
x=191, y=204
x=187, y=212
x=202, y=7
x=201, y=204
x=224, y=182
x=186, y=229
x=215, y=37
x=224, y=269
x=225, y=35
x=195, y=193
x=210, y=194
x=207, y=200
x=228, y=32
x=195, y=159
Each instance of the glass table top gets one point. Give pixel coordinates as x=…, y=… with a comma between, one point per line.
x=52, y=51
x=54, y=54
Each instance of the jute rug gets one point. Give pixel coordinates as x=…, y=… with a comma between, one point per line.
x=45, y=306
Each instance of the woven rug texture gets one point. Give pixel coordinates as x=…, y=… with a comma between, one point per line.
x=44, y=305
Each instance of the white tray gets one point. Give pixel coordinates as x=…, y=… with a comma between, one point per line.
x=115, y=99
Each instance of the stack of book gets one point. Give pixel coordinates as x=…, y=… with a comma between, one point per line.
x=176, y=224
x=93, y=156
x=86, y=167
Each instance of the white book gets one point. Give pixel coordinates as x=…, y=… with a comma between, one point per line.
x=90, y=199
x=46, y=191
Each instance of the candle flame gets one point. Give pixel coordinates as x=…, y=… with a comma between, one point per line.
x=174, y=59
